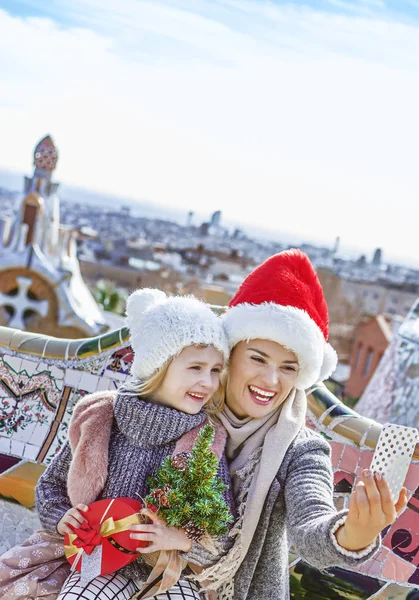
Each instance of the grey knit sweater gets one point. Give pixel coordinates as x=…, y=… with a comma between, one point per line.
x=299, y=509
x=143, y=435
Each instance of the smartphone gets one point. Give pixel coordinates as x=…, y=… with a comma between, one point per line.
x=393, y=455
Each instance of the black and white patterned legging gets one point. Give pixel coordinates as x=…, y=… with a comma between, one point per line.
x=117, y=587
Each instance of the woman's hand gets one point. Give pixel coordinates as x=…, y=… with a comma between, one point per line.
x=371, y=509
x=72, y=517
x=159, y=535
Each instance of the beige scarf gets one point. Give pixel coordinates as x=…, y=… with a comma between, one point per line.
x=272, y=435
x=245, y=436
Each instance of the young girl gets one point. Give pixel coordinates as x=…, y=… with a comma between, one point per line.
x=116, y=443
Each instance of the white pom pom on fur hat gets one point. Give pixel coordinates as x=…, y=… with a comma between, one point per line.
x=139, y=302
x=162, y=326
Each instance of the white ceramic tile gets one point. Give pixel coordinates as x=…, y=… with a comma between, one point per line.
x=31, y=452
x=88, y=382
x=103, y=384
x=56, y=373
x=72, y=377
x=5, y=444
x=17, y=448
x=29, y=366
x=117, y=376
x=14, y=362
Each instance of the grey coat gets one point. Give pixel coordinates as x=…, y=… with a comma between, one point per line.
x=298, y=510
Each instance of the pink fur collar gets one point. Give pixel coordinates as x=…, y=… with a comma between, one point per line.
x=89, y=434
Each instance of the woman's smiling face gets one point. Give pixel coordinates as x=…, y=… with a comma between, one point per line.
x=261, y=375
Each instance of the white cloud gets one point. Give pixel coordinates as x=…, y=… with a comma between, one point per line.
x=289, y=118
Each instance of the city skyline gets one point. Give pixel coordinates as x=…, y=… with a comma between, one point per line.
x=347, y=249
x=299, y=119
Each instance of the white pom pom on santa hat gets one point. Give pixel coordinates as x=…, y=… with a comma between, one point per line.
x=282, y=300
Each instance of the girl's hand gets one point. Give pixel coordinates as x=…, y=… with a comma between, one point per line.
x=371, y=509
x=159, y=535
x=72, y=517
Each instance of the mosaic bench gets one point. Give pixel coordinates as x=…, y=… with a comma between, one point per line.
x=41, y=380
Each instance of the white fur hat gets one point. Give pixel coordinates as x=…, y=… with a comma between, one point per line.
x=162, y=326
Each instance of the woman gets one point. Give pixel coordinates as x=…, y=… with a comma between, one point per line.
x=277, y=327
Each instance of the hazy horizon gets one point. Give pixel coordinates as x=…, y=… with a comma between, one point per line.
x=14, y=181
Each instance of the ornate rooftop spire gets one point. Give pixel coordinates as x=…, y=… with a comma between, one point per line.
x=41, y=288
x=46, y=154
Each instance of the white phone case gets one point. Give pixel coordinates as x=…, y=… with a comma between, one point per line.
x=393, y=455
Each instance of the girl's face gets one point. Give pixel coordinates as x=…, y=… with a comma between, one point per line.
x=191, y=379
x=261, y=375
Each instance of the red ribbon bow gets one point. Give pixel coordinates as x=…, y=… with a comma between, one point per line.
x=88, y=537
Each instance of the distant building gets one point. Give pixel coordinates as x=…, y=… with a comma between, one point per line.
x=353, y=303
x=362, y=261
x=378, y=257
x=351, y=299
x=238, y=234
x=336, y=246
x=189, y=221
x=41, y=288
x=216, y=219
x=371, y=341
x=138, y=273
x=204, y=229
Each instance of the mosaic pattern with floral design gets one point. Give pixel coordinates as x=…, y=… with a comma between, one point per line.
x=29, y=395
x=37, y=399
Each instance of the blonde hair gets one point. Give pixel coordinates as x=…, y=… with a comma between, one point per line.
x=146, y=387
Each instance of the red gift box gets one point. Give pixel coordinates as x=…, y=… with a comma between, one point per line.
x=107, y=530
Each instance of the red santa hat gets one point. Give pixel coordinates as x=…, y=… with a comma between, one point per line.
x=282, y=300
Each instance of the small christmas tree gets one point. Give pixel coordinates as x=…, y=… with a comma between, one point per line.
x=188, y=493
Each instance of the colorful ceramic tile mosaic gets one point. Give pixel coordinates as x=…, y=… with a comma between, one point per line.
x=393, y=392
x=40, y=385
x=28, y=399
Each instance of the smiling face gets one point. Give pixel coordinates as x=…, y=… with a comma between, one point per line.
x=191, y=379
x=261, y=375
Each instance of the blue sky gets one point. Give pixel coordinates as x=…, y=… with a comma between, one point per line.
x=404, y=10
x=299, y=117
